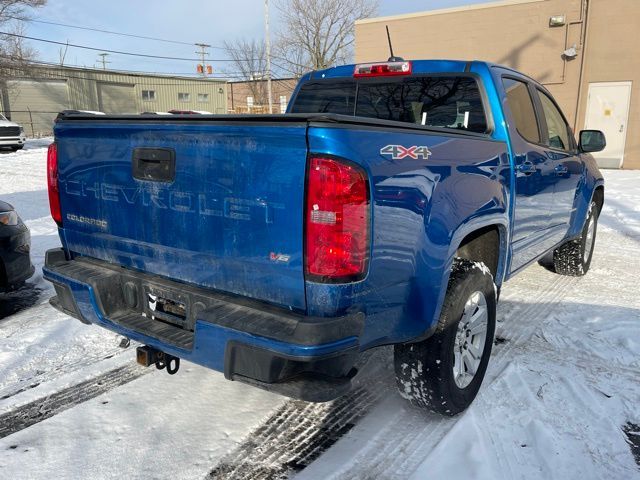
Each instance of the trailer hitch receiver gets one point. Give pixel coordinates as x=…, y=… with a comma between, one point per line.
x=147, y=356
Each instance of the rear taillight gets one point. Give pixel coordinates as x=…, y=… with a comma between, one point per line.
x=52, y=183
x=337, y=221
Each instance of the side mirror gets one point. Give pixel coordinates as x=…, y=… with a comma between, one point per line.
x=592, y=141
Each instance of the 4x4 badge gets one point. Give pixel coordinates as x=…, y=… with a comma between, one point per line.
x=398, y=152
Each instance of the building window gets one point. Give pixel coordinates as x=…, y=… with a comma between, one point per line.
x=184, y=97
x=249, y=102
x=203, y=98
x=148, y=95
x=283, y=103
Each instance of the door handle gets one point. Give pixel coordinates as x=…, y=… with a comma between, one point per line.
x=526, y=167
x=621, y=128
x=561, y=170
x=154, y=164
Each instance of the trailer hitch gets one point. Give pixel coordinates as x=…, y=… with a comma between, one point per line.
x=147, y=356
x=173, y=364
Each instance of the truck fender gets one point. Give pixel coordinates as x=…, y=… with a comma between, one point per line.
x=584, y=198
x=472, y=225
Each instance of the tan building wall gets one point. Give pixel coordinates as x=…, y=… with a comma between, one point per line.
x=238, y=94
x=517, y=33
x=613, y=55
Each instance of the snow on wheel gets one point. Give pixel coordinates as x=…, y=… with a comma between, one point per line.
x=574, y=257
x=444, y=372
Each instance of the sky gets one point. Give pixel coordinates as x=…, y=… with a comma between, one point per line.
x=189, y=21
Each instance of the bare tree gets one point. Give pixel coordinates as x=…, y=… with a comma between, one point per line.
x=13, y=14
x=249, y=62
x=14, y=53
x=318, y=33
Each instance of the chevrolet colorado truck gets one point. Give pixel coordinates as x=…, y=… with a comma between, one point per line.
x=386, y=207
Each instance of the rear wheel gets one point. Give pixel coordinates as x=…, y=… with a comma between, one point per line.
x=444, y=372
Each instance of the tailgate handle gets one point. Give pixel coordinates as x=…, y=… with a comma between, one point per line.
x=154, y=164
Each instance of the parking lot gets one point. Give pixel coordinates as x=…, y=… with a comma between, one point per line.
x=561, y=390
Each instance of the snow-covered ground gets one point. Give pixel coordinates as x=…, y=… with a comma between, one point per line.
x=563, y=381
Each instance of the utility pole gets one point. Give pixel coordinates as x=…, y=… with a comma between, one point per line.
x=63, y=54
x=268, y=51
x=103, y=60
x=203, y=53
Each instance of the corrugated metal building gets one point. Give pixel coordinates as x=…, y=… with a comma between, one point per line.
x=585, y=51
x=35, y=99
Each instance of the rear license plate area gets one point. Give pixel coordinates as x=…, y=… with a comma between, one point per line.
x=167, y=306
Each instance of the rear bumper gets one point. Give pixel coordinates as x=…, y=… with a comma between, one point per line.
x=304, y=357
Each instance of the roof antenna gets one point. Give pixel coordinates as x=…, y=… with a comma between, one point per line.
x=392, y=58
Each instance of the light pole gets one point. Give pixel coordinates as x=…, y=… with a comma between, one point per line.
x=268, y=52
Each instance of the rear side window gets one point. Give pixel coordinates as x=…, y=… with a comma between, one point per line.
x=326, y=97
x=445, y=102
x=558, y=129
x=521, y=106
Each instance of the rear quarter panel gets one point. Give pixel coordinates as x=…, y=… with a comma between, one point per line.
x=420, y=211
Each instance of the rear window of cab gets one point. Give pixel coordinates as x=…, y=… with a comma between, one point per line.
x=452, y=102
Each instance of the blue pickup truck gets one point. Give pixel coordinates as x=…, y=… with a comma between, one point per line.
x=386, y=207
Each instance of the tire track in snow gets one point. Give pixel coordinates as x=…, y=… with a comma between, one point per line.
x=297, y=434
x=43, y=408
x=632, y=432
x=548, y=299
x=399, y=446
x=510, y=460
x=11, y=389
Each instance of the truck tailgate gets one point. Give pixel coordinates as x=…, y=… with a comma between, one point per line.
x=217, y=204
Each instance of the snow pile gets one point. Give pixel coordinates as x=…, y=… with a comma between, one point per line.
x=562, y=382
x=154, y=427
x=39, y=344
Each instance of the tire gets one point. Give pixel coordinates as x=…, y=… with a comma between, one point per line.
x=574, y=257
x=425, y=370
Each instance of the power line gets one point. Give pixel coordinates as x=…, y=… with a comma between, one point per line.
x=177, y=42
x=24, y=70
x=141, y=83
x=122, y=34
x=110, y=32
x=118, y=52
x=229, y=75
x=222, y=74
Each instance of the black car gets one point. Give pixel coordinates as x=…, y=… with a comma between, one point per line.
x=15, y=244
